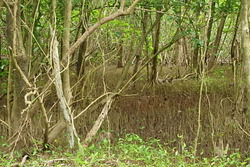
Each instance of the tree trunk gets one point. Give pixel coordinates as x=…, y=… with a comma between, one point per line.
x=235, y=48
x=217, y=42
x=64, y=106
x=19, y=87
x=65, y=49
x=28, y=39
x=246, y=48
x=81, y=55
x=138, y=55
x=196, y=43
x=120, y=55
x=210, y=24
x=156, y=47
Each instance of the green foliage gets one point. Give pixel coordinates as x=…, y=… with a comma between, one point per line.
x=3, y=67
x=131, y=150
x=228, y=6
x=4, y=88
x=153, y=4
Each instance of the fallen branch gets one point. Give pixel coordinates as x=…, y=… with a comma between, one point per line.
x=98, y=122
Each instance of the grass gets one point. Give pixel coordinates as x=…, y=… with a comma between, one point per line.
x=131, y=150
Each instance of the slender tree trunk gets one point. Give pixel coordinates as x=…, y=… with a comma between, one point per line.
x=217, y=42
x=138, y=56
x=30, y=20
x=196, y=43
x=235, y=48
x=81, y=55
x=120, y=55
x=65, y=49
x=210, y=24
x=209, y=30
x=156, y=47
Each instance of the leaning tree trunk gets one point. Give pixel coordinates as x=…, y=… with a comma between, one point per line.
x=81, y=56
x=81, y=62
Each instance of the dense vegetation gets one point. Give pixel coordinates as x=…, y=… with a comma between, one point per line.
x=174, y=71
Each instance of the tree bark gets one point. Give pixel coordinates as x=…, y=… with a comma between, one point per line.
x=18, y=55
x=81, y=55
x=120, y=55
x=196, y=43
x=217, y=42
x=235, y=48
x=156, y=47
x=64, y=106
x=138, y=56
x=65, y=49
x=245, y=36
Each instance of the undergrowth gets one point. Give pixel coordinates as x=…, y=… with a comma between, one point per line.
x=131, y=150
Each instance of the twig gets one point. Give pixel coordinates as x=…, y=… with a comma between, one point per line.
x=242, y=128
x=92, y=103
x=3, y=122
x=24, y=160
x=149, y=10
x=54, y=160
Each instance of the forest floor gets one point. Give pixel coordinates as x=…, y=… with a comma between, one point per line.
x=141, y=146
x=125, y=152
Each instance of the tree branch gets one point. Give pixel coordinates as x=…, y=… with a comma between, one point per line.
x=92, y=29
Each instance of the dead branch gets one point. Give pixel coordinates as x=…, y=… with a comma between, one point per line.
x=99, y=121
